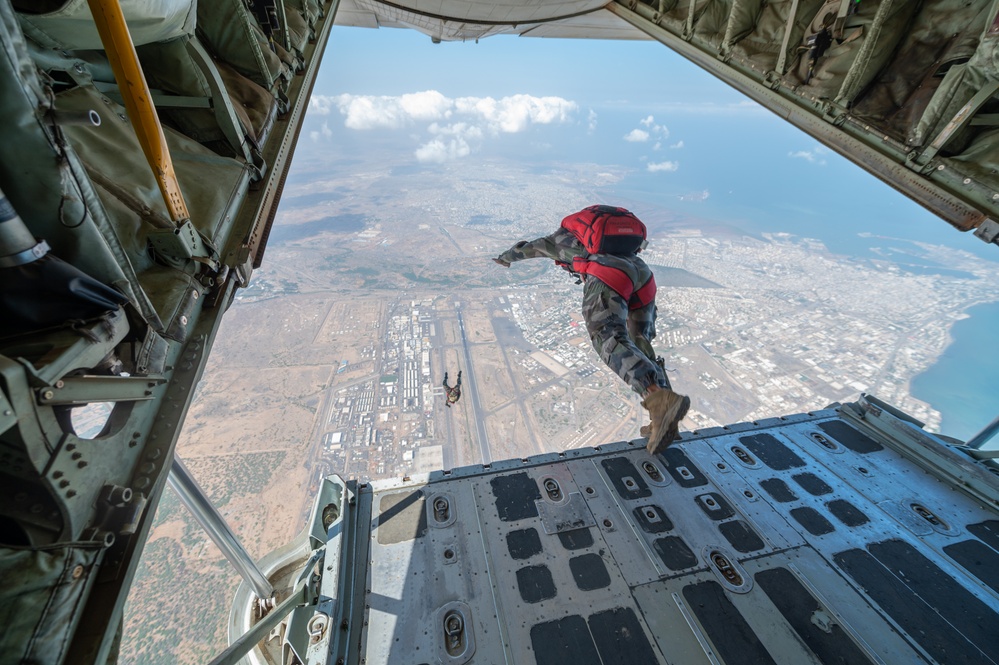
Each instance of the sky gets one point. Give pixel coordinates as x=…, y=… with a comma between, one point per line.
x=685, y=139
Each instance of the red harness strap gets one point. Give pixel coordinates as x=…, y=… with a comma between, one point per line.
x=644, y=295
x=618, y=281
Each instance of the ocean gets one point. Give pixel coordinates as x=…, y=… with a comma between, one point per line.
x=963, y=385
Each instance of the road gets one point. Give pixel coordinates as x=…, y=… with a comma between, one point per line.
x=468, y=388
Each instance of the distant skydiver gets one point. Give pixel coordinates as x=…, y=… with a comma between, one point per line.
x=453, y=394
x=600, y=245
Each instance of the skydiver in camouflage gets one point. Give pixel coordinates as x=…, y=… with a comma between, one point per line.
x=620, y=335
x=453, y=394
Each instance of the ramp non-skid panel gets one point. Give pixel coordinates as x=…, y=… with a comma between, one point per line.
x=620, y=638
x=810, y=620
x=772, y=452
x=589, y=571
x=941, y=616
x=847, y=513
x=675, y=553
x=563, y=641
x=763, y=545
x=850, y=437
x=778, y=489
x=741, y=536
x=536, y=584
x=515, y=496
x=728, y=630
x=987, y=532
x=978, y=559
x=811, y=484
x=812, y=520
x=523, y=543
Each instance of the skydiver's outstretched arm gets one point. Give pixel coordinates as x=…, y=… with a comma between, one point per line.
x=560, y=246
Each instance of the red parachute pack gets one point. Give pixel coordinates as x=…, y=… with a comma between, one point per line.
x=606, y=230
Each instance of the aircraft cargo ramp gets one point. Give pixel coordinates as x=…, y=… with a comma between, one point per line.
x=848, y=535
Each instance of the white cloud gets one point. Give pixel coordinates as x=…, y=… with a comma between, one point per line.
x=325, y=133
x=321, y=104
x=437, y=151
x=514, y=114
x=662, y=166
x=696, y=197
x=591, y=119
x=457, y=124
x=813, y=156
x=636, y=136
x=460, y=129
x=677, y=145
x=508, y=114
x=428, y=105
x=654, y=131
x=372, y=112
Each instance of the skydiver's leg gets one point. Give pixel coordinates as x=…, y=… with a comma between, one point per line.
x=445, y=381
x=459, y=379
x=642, y=328
x=606, y=316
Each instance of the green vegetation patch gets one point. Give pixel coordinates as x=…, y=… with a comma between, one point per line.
x=226, y=476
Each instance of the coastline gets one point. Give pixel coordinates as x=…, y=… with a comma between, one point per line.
x=962, y=384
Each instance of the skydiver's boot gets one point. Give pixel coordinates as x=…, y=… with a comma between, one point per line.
x=666, y=409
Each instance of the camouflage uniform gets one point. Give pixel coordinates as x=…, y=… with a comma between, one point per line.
x=622, y=337
x=452, y=394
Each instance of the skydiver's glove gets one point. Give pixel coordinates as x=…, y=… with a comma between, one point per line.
x=502, y=262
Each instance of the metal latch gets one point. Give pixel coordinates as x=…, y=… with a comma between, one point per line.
x=442, y=509
x=183, y=242
x=552, y=489
x=988, y=231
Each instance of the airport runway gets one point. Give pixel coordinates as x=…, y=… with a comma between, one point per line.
x=468, y=388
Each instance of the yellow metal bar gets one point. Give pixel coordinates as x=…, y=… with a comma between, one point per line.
x=138, y=101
